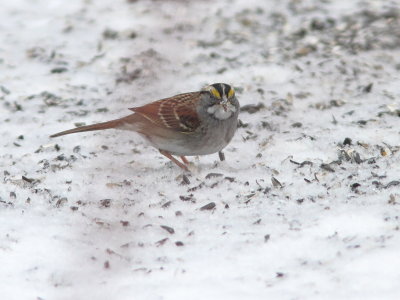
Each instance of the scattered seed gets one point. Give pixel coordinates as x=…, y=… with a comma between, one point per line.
x=252, y=108
x=179, y=243
x=167, y=204
x=102, y=109
x=208, y=206
x=305, y=163
x=128, y=77
x=362, y=122
x=221, y=156
x=251, y=195
x=187, y=198
x=170, y=230
x=132, y=35
x=161, y=242
x=213, y=175
x=385, y=151
x=317, y=25
x=106, y=264
x=368, y=88
x=60, y=202
x=105, y=203
x=58, y=70
x=4, y=90
x=377, y=184
x=347, y=141
x=336, y=103
x=242, y=125
x=297, y=125
x=230, y=179
x=214, y=185
x=61, y=157
x=185, y=180
x=344, y=155
x=357, y=158
x=76, y=149
x=392, y=183
x=392, y=199
x=29, y=180
x=18, y=107
x=124, y=223
x=315, y=177
x=192, y=189
x=327, y=167
x=110, y=34
x=275, y=182
x=267, y=125
x=355, y=186
x=266, y=238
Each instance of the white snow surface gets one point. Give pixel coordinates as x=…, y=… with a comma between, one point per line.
x=299, y=214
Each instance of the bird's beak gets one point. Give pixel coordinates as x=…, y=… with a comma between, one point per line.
x=224, y=103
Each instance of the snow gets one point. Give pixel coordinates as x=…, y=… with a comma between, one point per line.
x=299, y=213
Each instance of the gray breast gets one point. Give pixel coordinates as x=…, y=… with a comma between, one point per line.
x=213, y=135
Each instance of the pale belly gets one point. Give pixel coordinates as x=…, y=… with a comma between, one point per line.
x=196, y=144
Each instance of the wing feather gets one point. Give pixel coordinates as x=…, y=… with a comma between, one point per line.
x=177, y=113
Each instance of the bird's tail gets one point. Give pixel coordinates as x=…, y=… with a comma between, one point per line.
x=100, y=126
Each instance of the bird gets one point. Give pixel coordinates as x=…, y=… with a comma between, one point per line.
x=188, y=124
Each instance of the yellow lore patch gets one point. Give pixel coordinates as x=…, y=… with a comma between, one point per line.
x=215, y=92
x=231, y=93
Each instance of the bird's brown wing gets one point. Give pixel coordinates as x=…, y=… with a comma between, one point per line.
x=177, y=113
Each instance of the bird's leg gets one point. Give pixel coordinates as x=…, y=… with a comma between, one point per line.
x=169, y=156
x=185, y=161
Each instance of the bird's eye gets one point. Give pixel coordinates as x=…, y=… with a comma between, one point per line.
x=215, y=92
x=231, y=93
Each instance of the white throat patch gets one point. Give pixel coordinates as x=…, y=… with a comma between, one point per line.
x=220, y=113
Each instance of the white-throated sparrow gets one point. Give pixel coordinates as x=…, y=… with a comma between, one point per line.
x=196, y=123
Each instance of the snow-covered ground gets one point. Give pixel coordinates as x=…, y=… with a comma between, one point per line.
x=306, y=203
